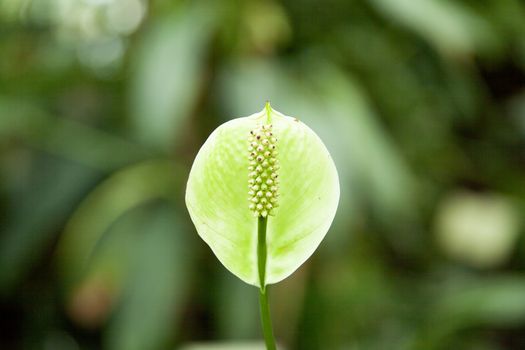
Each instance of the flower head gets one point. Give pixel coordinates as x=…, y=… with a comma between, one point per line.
x=265, y=165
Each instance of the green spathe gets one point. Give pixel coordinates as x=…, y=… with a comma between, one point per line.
x=218, y=201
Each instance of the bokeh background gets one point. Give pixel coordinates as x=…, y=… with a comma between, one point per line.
x=104, y=104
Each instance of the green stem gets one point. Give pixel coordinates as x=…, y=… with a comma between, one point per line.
x=266, y=320
x=263, y=292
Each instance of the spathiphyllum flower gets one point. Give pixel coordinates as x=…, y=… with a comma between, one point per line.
x=262, y=192
x=268, y=166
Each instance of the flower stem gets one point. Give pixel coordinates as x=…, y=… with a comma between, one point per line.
x=263, y=292
x=266, y=321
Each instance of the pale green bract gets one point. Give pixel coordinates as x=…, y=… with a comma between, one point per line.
x=217, y=196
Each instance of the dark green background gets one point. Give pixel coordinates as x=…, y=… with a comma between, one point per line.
x=104, y=104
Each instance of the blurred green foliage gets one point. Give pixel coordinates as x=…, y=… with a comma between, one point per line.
x=104, y=104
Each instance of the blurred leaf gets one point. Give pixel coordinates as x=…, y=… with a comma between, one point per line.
x=491, y=301
x=123, y=191
x=93, y=296
x=168, y=71
x=496, y=301
x=154, y=295
x=130, y=251
x=236, y=309
x=507, y=14
x=448, y=25
x=38, y=211
x=22, y=119
x=373, y=156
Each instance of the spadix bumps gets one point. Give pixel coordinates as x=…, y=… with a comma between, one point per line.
x=263, y=165
x=263, y=177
